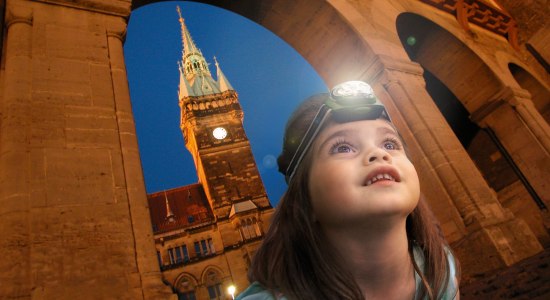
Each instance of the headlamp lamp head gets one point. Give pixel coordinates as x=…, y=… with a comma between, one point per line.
x=353, y=101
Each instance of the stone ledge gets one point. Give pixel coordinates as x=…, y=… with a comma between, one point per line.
x=110, y=7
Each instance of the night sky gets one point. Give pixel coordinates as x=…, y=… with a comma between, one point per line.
x=270, y=77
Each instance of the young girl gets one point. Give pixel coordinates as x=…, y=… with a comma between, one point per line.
x=352, y=224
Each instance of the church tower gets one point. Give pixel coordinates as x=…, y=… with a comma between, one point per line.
x=206, y=233
x=212, y=125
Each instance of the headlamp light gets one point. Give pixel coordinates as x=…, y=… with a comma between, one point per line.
x=348, y=102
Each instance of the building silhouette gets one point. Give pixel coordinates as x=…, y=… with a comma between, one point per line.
x=74, y=216
x=206, y=233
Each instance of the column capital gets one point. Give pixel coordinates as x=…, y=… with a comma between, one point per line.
x=117, y=28
x=514, y=96
x=381, y=66
x=507, y=95
x=18, y=14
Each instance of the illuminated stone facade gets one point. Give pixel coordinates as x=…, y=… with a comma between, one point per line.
x=74, y=216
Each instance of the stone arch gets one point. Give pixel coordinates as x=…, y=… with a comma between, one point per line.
x=211, y=268
x=539, y=94
x=185, y=283
x=452, y=62
x=474, y=90
x=337, y=52
x=213, y=279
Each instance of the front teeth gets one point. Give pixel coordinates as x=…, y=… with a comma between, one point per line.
x=379, y=177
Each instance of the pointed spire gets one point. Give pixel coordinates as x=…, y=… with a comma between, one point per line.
x=195, y=77
x=222, y=80
x=187, y=42
x=169, y=214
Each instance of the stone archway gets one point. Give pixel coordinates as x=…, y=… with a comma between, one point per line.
x=472, y=85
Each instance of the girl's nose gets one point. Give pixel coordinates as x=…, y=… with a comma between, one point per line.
x=378, y=154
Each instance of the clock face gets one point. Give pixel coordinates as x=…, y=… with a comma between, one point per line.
x=219, y=133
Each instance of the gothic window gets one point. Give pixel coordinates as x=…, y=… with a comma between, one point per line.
x=250, y=229
x=186, y=289
x=244, y=230
x=256, y=227
x=178, y=254
x=214, y=285
x=198, y=249
x=204, y=247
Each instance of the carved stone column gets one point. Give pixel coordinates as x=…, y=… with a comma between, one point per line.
x=524, y=133
x=148, y=268
x=490, y=230
x=15, y=165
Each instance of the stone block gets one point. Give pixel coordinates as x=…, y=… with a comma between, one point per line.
x=101, y=84
x=73, y=43
x=62, y=76
x=91, y=121
x=92, y=138
x=78, y=176
x=42, y=98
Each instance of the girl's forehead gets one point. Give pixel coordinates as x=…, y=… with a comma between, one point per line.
x=375, y=126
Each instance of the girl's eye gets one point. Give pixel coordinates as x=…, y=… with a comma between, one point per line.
x=341, y=147
x=391, y=144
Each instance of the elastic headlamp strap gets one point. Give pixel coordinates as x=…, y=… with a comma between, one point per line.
x=306, y=141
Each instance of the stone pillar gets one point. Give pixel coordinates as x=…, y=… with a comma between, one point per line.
x=149, y=271
x=15, y=157
x=499, y=237
x=74, y=221
x=523, y=132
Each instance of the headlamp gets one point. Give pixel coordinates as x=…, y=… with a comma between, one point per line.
x=348, y=102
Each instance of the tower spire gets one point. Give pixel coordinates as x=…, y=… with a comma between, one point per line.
x=195, y=77
x=186, y=39
x=222, y=80
x=169, y=214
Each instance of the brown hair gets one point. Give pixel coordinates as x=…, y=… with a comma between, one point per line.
x=297, y=260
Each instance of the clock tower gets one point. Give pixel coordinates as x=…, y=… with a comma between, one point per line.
x=212, y=126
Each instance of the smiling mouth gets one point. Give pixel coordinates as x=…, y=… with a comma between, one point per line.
x=380, y=177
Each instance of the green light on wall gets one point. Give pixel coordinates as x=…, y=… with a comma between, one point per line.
x=411, y=40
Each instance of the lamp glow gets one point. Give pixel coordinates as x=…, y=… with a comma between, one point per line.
x=231, y=290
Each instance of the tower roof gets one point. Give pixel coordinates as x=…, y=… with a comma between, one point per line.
x=195, y=77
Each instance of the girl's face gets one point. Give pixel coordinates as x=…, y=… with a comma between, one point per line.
x=360, y=173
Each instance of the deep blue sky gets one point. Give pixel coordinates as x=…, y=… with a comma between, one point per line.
x=270, y=77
